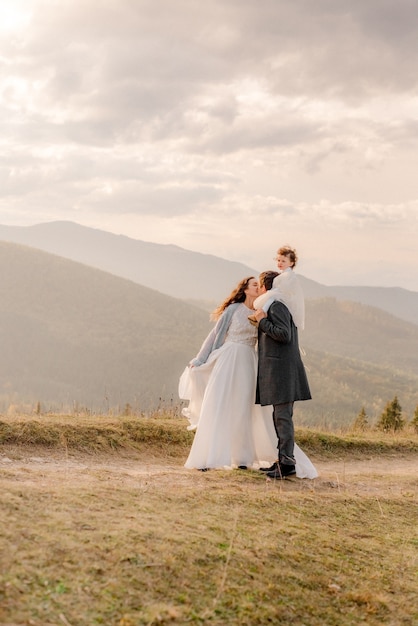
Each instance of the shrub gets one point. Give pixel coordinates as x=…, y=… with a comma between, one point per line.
x=391, y=418
x=414, y=421
x=361, y=421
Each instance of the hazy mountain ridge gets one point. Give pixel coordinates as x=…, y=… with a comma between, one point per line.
x=397, y=301
x=169, y=269
x=182, y=273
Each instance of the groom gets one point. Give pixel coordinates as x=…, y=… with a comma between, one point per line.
x=281, y=376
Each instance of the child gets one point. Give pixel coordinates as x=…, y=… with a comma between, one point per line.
x=286, y=289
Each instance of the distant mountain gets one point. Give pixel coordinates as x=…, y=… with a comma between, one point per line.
x=181, y=273
x=167, y=268
x=399, y=302
x=72, y=336
x=355, y=331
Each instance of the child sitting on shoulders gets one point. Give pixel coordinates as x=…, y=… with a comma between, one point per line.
x=286, y=289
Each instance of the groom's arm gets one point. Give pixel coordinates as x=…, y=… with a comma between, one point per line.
x=278, y=324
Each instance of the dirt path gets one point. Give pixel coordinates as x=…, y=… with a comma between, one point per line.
x=378, y=474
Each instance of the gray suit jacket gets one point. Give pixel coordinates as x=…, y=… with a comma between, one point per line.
x=281, y=374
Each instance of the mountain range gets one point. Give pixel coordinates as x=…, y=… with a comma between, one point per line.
x=73, y=335
x=182, y=273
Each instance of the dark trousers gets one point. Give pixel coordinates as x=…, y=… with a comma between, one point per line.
x=283, y=424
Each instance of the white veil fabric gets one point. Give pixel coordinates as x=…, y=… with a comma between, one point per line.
x=286, y=288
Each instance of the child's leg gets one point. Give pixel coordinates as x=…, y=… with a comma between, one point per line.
x=265, y=308
x=267, y=305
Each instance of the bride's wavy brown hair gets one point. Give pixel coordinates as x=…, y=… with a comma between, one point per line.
x=237, y=295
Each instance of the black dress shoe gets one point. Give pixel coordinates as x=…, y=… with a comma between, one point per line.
x=242, y=467
x=271, y=468
x=282, y=471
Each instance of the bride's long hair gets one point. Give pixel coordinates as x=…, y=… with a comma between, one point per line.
x=237, y=295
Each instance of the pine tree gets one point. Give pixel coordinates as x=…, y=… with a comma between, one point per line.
x=361, y=421
x=415, y=420
x=391, y=418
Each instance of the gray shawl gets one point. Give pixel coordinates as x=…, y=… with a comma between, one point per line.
x=216, y=337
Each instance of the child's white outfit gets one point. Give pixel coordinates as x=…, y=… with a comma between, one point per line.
x=286, y=289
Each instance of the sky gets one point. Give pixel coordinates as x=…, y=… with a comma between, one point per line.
x=227, y=127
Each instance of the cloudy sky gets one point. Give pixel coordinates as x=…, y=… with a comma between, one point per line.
x=227, y=127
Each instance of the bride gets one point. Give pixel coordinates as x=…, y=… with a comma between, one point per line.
x=220, y=385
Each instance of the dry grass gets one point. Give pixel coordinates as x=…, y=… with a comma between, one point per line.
x=101, y=524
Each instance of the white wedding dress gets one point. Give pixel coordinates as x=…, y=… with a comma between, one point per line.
x=230, y=429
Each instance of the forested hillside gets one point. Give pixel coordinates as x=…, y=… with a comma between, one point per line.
x=357, y=356
x=72, y=336
x=365, y=333
x=342, y=386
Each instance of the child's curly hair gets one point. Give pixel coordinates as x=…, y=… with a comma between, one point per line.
x=289, y=252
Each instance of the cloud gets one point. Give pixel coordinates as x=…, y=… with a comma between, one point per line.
x=217, y=117
x=96, y=73
x=147, y=59
x=167, y=201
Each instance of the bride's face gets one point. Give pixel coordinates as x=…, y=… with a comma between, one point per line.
x=252, y=289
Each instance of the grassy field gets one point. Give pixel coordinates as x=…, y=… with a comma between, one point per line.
x=102, y=524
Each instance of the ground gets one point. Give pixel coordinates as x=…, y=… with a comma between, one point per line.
x=380, y=474
x=132, y=538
